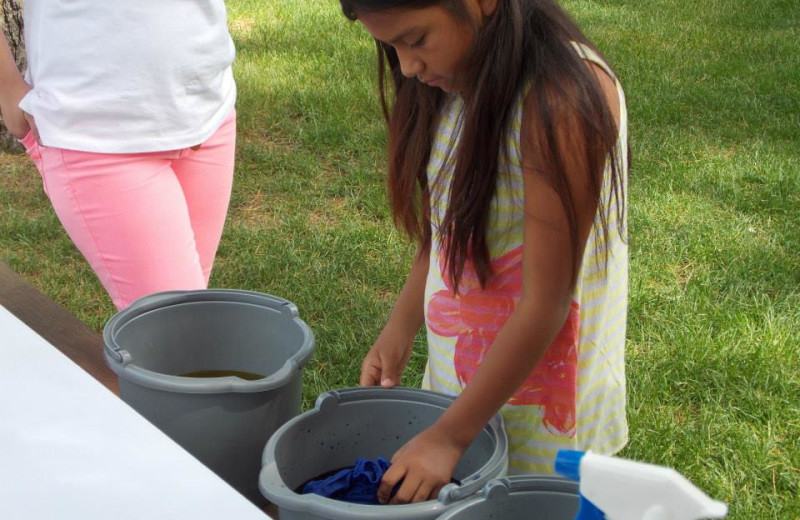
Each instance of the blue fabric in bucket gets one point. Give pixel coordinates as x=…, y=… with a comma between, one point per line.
x=358, y=484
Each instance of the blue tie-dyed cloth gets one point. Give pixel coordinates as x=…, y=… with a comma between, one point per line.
x=358, y=484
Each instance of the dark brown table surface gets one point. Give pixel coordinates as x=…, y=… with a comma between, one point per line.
x=58, y=326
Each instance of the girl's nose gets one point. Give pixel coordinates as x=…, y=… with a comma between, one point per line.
x=410, y=65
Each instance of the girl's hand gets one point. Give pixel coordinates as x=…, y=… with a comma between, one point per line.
x=424, y=464
x=386, y=361
x=15, y=119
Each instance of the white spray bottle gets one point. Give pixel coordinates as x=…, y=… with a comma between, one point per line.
x=619, y=489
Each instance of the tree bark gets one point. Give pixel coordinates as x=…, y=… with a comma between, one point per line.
x=12, y=23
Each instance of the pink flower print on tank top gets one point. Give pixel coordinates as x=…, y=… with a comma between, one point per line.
x=475, y=316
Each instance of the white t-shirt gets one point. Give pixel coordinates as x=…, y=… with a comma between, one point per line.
x=125, y=76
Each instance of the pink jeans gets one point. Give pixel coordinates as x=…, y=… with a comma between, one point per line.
x=145, y=222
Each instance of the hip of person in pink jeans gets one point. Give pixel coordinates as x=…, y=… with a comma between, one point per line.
x=145, y=222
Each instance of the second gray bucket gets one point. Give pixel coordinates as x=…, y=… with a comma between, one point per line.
x=521, y=498
x=223, y=421
x=369, y=422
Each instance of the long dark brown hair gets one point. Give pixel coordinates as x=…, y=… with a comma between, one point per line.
x=523, y=42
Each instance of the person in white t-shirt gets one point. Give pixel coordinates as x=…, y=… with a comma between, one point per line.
x=127, y=110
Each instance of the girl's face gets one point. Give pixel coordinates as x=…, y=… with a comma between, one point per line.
x=430, y=42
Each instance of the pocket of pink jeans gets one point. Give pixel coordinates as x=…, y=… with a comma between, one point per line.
x=28, y=141
x=32, y=149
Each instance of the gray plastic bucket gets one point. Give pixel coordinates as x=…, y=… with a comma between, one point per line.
x=521, y=498
x=223, y=421
x=369, y=422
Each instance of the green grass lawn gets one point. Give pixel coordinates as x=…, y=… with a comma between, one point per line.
x=714, y=324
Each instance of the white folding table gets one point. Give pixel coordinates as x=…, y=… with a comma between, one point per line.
x=71, y=449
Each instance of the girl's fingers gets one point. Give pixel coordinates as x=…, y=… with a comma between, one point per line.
x=379, y=369
x=424, y=493
x=370, y=370
x=409, y=488
x=389, y=374
x=370, y=376
x=393, y=475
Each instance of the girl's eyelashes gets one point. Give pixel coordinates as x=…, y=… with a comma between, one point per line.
x=419, y=43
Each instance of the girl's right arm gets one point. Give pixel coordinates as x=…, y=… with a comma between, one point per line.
x=386, y=360
x=12, y=89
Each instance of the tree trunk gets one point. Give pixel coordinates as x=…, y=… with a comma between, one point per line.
x=12, y=24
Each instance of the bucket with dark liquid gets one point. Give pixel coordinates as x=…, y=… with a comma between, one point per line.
x=216, y=370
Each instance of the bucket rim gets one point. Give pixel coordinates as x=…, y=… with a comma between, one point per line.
x=531, y=482
x=516, y=484
x=123, y=364
x=273, y=489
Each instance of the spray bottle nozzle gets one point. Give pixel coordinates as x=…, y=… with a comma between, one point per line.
x=568, y=464
x=650, y=492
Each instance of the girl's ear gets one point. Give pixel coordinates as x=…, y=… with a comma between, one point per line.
x=488, y=7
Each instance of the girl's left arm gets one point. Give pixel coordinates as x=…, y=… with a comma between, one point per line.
x=425, y=463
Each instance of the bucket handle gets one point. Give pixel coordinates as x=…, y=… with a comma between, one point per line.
x=122, y=357
x=453, y=492
x=148, y=302
x=172, y=383
x=152, y=298
x=272, y=487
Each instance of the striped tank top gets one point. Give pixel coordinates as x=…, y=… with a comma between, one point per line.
x=575, y=396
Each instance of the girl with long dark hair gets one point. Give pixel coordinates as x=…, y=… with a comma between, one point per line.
x=507, y=165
